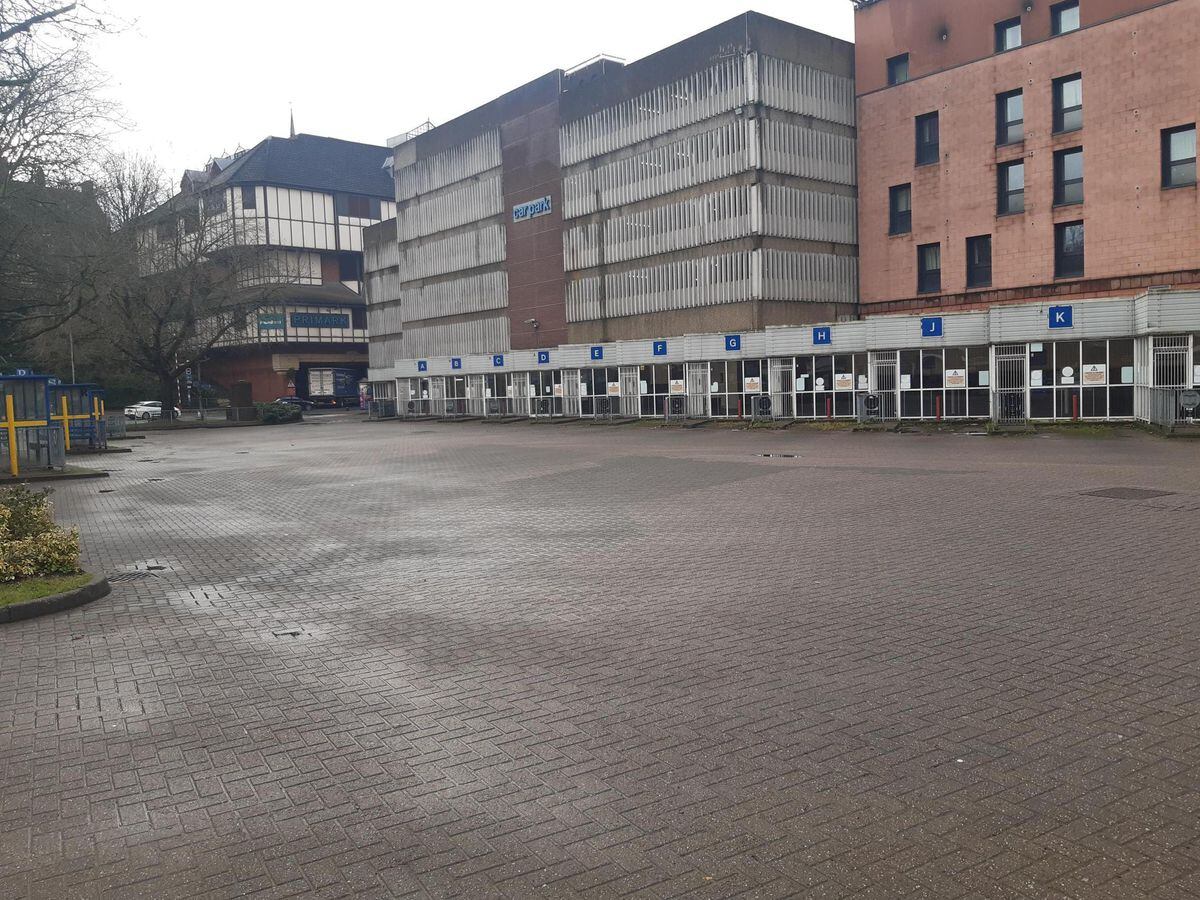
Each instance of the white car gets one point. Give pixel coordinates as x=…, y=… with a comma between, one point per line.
x=147, y=410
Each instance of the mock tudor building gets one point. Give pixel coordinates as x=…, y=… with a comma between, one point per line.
x=308, y=199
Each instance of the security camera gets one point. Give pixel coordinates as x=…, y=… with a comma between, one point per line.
x=533, y=322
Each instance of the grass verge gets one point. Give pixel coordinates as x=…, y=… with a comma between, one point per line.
x=36, y=588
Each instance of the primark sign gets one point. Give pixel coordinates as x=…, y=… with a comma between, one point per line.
x=531, y=210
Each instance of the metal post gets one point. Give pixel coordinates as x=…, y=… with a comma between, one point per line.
x=66, y=420
x=10, y=423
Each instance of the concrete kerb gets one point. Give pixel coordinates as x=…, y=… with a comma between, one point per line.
x=43, y=606
x=68, y=474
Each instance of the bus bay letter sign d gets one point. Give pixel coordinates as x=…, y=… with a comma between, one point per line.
x=543, y=357
x=1062, y=317
x=597, y=353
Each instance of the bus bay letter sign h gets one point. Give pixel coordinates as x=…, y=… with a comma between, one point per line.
x=822, y=336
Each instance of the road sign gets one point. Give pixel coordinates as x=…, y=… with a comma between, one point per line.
x=823, y=335
x=1062, y=317
x=456, y=362
x=931, y=326
x=498, y=360
x=1189, y=400
x=422, y=365
x=733, y=342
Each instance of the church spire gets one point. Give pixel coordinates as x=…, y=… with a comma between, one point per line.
x=291, y=121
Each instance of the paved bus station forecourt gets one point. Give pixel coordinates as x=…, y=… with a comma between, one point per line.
x=422, y=659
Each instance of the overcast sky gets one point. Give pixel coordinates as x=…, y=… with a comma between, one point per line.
x=197, y=79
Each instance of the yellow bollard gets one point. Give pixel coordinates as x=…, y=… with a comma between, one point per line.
x=66, y=420
x=10, y=423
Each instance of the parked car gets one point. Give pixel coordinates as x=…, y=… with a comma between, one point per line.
x=147, y=410
x=296, y=401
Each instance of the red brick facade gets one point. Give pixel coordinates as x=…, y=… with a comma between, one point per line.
x=1139, y=77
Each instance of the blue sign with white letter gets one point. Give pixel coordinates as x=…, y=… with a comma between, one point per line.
x=931, y=326
x=531, y=210
x=660, y=348
x=823, y=335
x=498, y=360
x=456, y=362
x=733, y=342
x=597, y=353
x=422, y=365
x=1062, y=317
x=543, y=357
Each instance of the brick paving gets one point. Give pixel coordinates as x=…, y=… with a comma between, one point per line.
x=562, y=660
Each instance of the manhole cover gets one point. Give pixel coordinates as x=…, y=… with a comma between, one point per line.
x=1122, y=493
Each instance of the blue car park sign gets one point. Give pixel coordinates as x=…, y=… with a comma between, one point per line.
x=543, y=357
x=422, y=365
x=456, y=362
x=660, y=348
x=733, y=342
x=498, y=360
x=823, y=335
x=931, y=326
x=597, y=353
x=1062, y=317
x=531, y=210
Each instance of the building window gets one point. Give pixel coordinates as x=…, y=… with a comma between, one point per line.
x=1068, y=176
x=927, y=139
x=1064, y=17
x=898, y=69
x=900, y=209
x=349, y=267
x=1068, y=103
x=1010, y=117
x=358, y=317
x=1179, y=156
x=1068, y=250
x=1008, y=35
x=214, y=203
x=929, y=268
x=979, y=261
x=1010, y=188
x=249, y=201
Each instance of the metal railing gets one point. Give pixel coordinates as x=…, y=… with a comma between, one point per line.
x=1165, y=407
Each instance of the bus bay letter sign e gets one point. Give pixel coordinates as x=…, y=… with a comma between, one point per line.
x=532, y=209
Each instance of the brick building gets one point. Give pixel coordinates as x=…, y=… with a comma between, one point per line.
x=1014, y=150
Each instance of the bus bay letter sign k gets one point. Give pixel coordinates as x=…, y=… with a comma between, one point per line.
x=1061, y=317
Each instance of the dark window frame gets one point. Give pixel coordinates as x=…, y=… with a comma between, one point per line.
x=1062, y=187
x=1004, y=125
x=1061, y=112
x=248, y=192
x=1169, y=164
x=893, y=66
x=899, y=221
x=1005, y=194
x=928, y=152
x=1064, y=263
x=979, y=274
x=929, y=281
x=1001, y=30
x=1056, y=13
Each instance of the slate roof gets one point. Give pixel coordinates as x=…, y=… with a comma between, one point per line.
x=314, y=163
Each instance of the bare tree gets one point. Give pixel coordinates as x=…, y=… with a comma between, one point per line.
x=187, y=275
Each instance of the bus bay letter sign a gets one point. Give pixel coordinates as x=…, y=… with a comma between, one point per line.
x=532, y=209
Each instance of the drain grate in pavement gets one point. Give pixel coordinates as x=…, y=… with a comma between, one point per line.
x=288, y=632
x=780, y=455
x=1123, y=493
x=129, y=576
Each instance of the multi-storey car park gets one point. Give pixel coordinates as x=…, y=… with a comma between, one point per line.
x=680, y=236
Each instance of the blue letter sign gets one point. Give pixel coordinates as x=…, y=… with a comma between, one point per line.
x=543, y=357
x=597, y=353
x=498, y=360
x=660, y=348
x=733, y=342
x=1061, y=317
x=931, y=326
x=422, y=365
x=456, y=362
x=823, y=335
